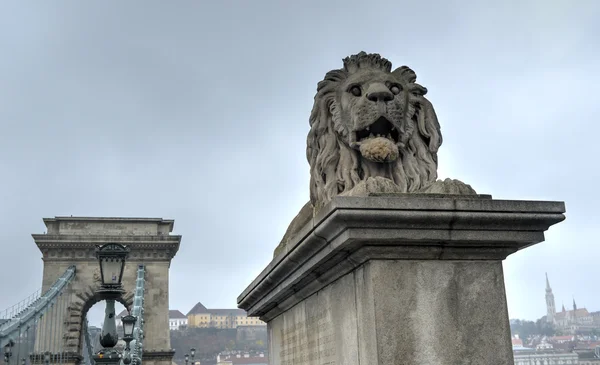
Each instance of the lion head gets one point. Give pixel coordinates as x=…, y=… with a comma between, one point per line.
x=371, y=122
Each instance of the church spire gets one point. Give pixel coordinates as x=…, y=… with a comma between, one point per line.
x=550, y=304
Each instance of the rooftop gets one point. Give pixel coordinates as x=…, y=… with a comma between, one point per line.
x=176, y=314
x=122, y=314
x=199, y=308
x=70, y=225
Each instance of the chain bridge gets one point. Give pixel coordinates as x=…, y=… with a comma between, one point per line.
x=50, y=326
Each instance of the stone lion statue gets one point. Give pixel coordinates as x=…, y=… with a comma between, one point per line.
x=371, y=131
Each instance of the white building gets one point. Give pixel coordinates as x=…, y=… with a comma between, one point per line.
x=532, y=357
x=177, y=319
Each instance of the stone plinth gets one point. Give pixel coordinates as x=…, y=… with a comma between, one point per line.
x=399, y=279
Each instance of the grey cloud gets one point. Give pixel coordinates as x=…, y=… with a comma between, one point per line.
x=199, y=112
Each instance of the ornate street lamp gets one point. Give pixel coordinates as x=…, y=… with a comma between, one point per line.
x=128, y=327
x=8, y=351
x=111, y=258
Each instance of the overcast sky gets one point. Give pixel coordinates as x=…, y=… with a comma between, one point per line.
x=198, y=111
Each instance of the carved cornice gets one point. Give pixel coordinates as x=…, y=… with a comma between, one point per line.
x=351, y=231
x=158, y=355
x=82, y=248
x=62, y=254
x=91, y=240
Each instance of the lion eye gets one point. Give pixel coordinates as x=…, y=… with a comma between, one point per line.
x=395, y=89
x=355, y=90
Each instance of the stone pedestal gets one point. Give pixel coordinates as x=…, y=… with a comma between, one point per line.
x=399, y=279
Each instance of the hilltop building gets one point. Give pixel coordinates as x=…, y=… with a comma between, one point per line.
x=576, y=320
x=202, y=317
x=177, y=320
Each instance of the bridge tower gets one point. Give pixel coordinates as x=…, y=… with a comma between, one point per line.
x=72, y=241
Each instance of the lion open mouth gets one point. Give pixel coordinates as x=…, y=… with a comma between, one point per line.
x=378, y=141
x=380, y=128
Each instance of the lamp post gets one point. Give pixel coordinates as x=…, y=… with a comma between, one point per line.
x=111, y=258
x=47, y=357
x=8, y=351
x=187, y=357
x=128, y=327
x=193, y=354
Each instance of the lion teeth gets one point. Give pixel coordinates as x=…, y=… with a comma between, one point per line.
x=371, y=135
x=389, y=136
x=368, y=128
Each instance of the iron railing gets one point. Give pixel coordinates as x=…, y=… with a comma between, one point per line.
x=27, y=317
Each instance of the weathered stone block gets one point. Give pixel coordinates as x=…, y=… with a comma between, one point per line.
x=397, y=279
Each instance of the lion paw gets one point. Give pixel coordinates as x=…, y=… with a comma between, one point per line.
x=449, y=186
x=373, y=185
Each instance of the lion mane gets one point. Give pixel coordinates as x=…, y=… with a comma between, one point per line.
x=336, y=168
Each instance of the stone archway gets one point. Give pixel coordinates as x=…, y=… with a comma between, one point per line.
x=72, y=241
x=77, y=312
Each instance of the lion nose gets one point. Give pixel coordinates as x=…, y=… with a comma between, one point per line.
x=379, y=92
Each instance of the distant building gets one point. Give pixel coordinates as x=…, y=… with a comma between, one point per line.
x=517, y=343
x=177, y=320
x=590, y=357
x=242, y=358
x=94, y=333
x=561, y=339
x=201, y=317
x=123, y=313
x=533, y=357
x=577, y=320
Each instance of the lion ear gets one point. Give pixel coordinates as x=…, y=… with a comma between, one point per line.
x=407, y=76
